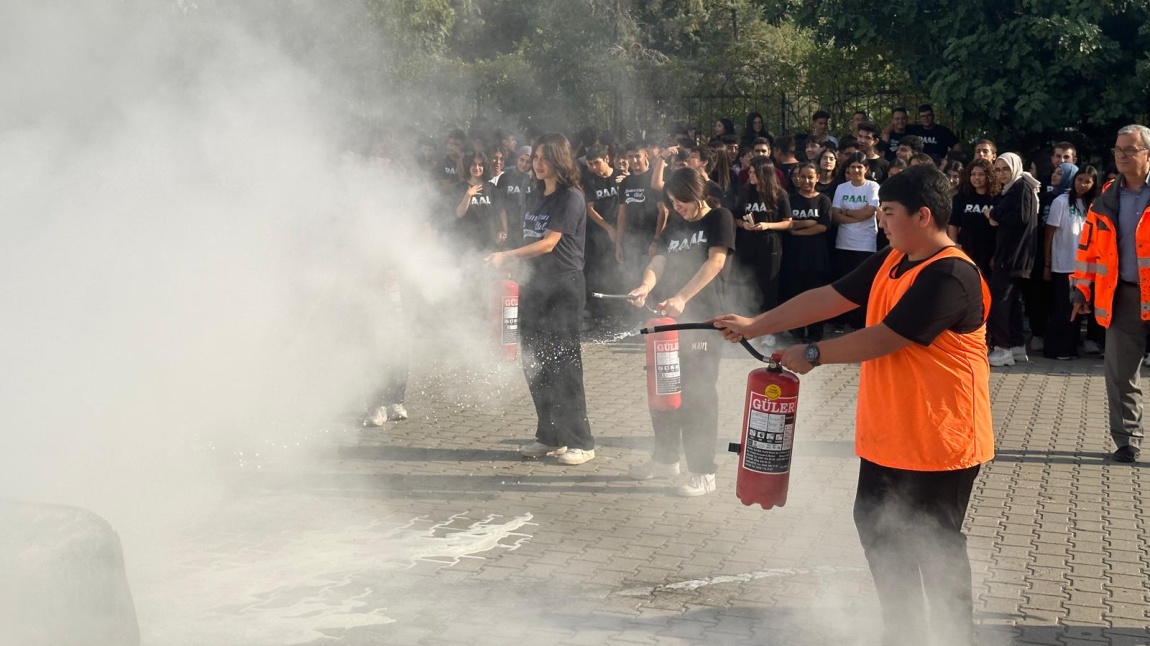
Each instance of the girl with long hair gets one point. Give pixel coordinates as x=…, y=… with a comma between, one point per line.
x=551, y=304
x=765, y=211
x=688, y=275
x=479, y=224
x=969, y=225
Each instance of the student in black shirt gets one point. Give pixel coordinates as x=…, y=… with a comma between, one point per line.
x=877, y=165
x=448, y=173
x=601, y=185
x=806, y=255
x=783, y=152
x=688, y=275
x=969, y=222
x=765, y=212
x=894, y=131
x=479, y=224
x=551, y=304
x=511, y=188
x=638, y=218
x=937, y=140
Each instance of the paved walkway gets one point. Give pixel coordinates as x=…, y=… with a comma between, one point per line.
x=434, y=531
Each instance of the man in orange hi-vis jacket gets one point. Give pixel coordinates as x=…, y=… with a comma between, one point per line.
x=923, y=426
x=1113, y=268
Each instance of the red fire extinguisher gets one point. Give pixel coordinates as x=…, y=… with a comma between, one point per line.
x=504, y=316
x=768, y=430
x=768, y=436
x=664, y=382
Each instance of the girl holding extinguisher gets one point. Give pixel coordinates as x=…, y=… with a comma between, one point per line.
x=688, y=275
x=551, y=304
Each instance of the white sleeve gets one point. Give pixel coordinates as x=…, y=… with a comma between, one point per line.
x=1059, y=209
x=873, y=188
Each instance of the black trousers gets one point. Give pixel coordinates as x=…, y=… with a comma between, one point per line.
x=1061, y=339
x=695, y=425
x=550, y=307
x=847, y=261
x=1005, y=323
x=603, y=273
x=910, y=527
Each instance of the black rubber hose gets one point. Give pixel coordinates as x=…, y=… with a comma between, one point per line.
x=706, y=326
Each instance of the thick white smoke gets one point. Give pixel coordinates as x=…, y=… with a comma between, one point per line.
x=192, y=257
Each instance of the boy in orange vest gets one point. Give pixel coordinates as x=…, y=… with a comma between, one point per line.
x=923, y=424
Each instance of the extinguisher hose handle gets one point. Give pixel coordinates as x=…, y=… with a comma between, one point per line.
x=707, y=326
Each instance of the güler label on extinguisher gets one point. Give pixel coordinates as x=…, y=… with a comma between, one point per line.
x=667, y=380
x=510, y=320
x=770, y=432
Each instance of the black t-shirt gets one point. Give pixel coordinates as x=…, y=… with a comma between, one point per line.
x=509, y=194
x=892, y=148
x=447, y=170
x=479, y=224
x=602, y=193
x=808, y=253
x=755, y=210
x=976, y=236
x=947, y=295
x=686, y=246
x=936, y=142
x=564, y=211
x=642, y=203
x=877, y=169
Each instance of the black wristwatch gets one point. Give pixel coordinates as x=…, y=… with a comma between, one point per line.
x=811, y=354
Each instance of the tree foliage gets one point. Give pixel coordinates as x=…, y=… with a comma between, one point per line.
x=1022, y=66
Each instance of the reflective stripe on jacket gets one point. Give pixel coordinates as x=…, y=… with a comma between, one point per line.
x=924, y=408
x=1096, y=269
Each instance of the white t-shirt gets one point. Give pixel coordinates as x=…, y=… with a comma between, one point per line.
x=1068, y=218
x=856, y=236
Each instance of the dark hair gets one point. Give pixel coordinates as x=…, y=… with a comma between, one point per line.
x=993, y=146
x=862, y=112
x=729, y=139
x=557, y=150
x=899, y=164
x=463, y=171
x=633, y=147
x=922, y=158
x=918, y=187
x=913, y=142
x=785, y=144
x=750, y=126
x=721, y=171
x=800, y=167
x=457, y=134
x=955, y=167
x=682, y=155
x=728, y=126
x=867, y=126
x=598, y=151
x=1088, y=199
x=687, y=185
x=899, y=108
x=1066, y=145
x=760, y=140
x=993, y=186
x=848, y=142
x=768, y=187
x=926, y=107
x=820, y=114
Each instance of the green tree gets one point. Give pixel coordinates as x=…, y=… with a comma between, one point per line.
x=1018, y=67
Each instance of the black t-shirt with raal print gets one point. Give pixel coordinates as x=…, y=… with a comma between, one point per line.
x=686, y=246
x=564, y=211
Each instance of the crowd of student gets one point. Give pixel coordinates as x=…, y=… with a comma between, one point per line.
x=805, y=209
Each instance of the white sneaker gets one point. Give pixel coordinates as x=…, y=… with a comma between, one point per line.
x=1019, y=354
x=697, y=484
x=652, y=469
x=1091, y=347
x=576, y=456
x=376, y=416
x=1000, y=357
x=538, y=450
x=396, y=412
x=1036, y=343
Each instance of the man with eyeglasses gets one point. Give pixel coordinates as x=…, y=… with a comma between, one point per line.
x=1113, y=269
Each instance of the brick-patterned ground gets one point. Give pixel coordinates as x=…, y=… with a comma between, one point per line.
x=382, y=540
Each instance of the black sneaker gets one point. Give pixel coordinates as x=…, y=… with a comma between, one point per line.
x=1126, y=454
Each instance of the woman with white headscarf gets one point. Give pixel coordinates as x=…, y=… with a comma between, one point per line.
x=1015, y=213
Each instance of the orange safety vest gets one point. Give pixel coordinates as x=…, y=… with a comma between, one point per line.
x=1096, y=270
x=924, y=408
